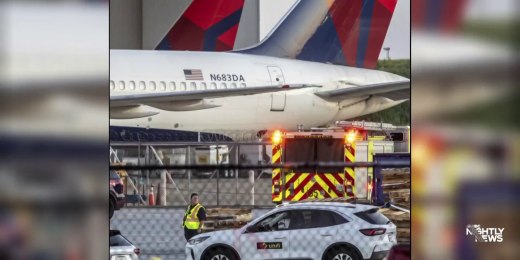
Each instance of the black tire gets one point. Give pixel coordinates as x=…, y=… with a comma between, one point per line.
x=219, y=253
x=111, y=209
x=341, y=253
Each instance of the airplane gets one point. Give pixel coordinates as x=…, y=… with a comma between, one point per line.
x=314, y=68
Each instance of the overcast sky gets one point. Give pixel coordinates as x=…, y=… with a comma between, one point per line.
x=397, y=38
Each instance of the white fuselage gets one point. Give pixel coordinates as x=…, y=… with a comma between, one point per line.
x=162, y=72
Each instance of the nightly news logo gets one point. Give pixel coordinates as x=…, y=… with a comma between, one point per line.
x=485, y=234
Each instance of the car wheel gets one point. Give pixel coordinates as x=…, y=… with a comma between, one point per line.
x=111, y=210
x=219, y=254
x=342, y=253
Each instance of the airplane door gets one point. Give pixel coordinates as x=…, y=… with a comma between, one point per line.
x=277, y=98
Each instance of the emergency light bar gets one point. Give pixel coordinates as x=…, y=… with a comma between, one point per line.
x=363, y=125
x=350, y=137
x=313, y=136
x=277, y=137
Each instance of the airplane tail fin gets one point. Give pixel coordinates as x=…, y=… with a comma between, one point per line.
x=206, y=25
x=347, y=33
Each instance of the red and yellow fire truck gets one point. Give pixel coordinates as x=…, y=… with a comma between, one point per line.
x=347, y=141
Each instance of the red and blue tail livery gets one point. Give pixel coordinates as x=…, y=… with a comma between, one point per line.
x=342, y=32
x=352, y=33
x=206, y=25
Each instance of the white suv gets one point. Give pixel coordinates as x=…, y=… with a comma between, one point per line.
x=311, y=230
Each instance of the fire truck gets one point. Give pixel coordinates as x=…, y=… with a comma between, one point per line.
x=346, y=141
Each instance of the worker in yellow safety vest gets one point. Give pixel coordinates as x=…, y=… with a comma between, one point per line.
x=193, y=218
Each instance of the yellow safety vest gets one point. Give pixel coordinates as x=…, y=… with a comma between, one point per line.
x=192, y=220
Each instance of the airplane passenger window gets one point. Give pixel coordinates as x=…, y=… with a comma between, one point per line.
x=142, y=86
x=233, y=85
x=152, y=85
x=172, y=86
x=203, y=86
x=223, y=85
x=163, y=85
x=132, y=85
x=112, y=85
x=213, y=85
x=121, y=85
x=183, y=86
x=193, y=86
x=243, y=85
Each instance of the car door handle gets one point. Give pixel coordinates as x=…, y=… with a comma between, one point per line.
x=279, y=237
x=326, y=235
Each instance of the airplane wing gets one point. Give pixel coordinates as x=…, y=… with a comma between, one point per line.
x=197, y=95
x=394, y=90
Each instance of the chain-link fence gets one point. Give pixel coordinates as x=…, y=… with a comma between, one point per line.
x=242, y=222
x=227, y=187
x=231, y=174
x=218, y=188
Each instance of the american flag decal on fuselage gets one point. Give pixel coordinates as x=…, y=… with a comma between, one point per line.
x=193, y=75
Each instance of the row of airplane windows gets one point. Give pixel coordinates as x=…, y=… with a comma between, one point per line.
x=172, y=86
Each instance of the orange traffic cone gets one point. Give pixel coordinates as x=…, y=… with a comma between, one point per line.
x=151, y=198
